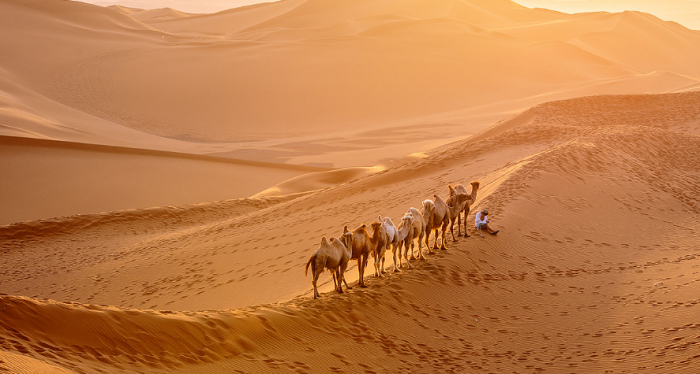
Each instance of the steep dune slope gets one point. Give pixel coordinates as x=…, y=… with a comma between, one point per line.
x=54, y=179
x=595, y=267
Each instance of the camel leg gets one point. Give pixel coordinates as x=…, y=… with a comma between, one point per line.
x=346, y=282
x=427, y=240
x=376, y=266
x=443, y=237
x=435, y=246
x=394, y=248
x=406, y=252
x=413, y=256
x=466, y=212
x=340, y=280
x=400, y=261
x=364, y=267
x=361, y=271
x=313, y=282
x=383, y=259
x=378, y=263
x=459, y=224
x=452, y=230
x=337, y=281
x=420, y=248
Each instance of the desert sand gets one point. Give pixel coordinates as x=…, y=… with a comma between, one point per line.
x=167, y=175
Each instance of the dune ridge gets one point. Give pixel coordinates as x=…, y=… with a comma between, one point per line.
x=613, y=296
x=123, y=77
x=169, y=174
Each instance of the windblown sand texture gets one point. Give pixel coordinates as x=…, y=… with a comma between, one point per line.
x=166, y=176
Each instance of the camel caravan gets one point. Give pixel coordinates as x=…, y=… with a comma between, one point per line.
x=383, y=235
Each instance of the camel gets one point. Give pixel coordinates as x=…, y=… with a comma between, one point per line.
x=437, y=215
x=417, y=231
x=460, y=190
x=360, y=249
x=455, y=204
x=433, y=215
x=333, y=256
x=380, y=241
x=393, y=237
x=384, y=235
x=339, y=275
x=405, y=237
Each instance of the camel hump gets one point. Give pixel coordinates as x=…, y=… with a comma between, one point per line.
x=345, y=229
x=324, y=241
x=452, y=190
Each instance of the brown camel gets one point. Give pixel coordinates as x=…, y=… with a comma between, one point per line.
x=360, y=249
x=439, y=215
x=380, y=243
x=460, y=190
x=405, y=237
x=393, y=233
x=436, y=216
x=417, y=231
x=455, y=204
x=333, y=256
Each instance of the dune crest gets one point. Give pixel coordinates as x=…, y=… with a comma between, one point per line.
x=167, y=176
x=447, y=62
x=627, y=156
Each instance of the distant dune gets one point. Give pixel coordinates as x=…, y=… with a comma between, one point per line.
x=167, y=175
x=316, y=68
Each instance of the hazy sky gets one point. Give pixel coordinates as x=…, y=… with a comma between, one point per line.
x=686, y=12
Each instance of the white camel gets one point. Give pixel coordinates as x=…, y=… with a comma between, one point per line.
x=393, y=238
x=405, y=237
x=333, y=256
x=380, y=242
x=417, y=231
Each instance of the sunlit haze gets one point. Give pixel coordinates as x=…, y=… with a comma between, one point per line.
x=685, y=12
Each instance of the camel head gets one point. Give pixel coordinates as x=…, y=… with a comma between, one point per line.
x=376, y=226
x=428, y=207
x=346, y=239
x=407, y=220
x=461, y=198
x=475, y=185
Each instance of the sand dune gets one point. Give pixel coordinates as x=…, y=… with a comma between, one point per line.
x=616, y=292
x=53, y=179
x=167, y=175
x=355, y=67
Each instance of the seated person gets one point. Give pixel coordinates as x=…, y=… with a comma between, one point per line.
x=482, y=222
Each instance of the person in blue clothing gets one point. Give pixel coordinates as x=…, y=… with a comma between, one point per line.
x=482, y=223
